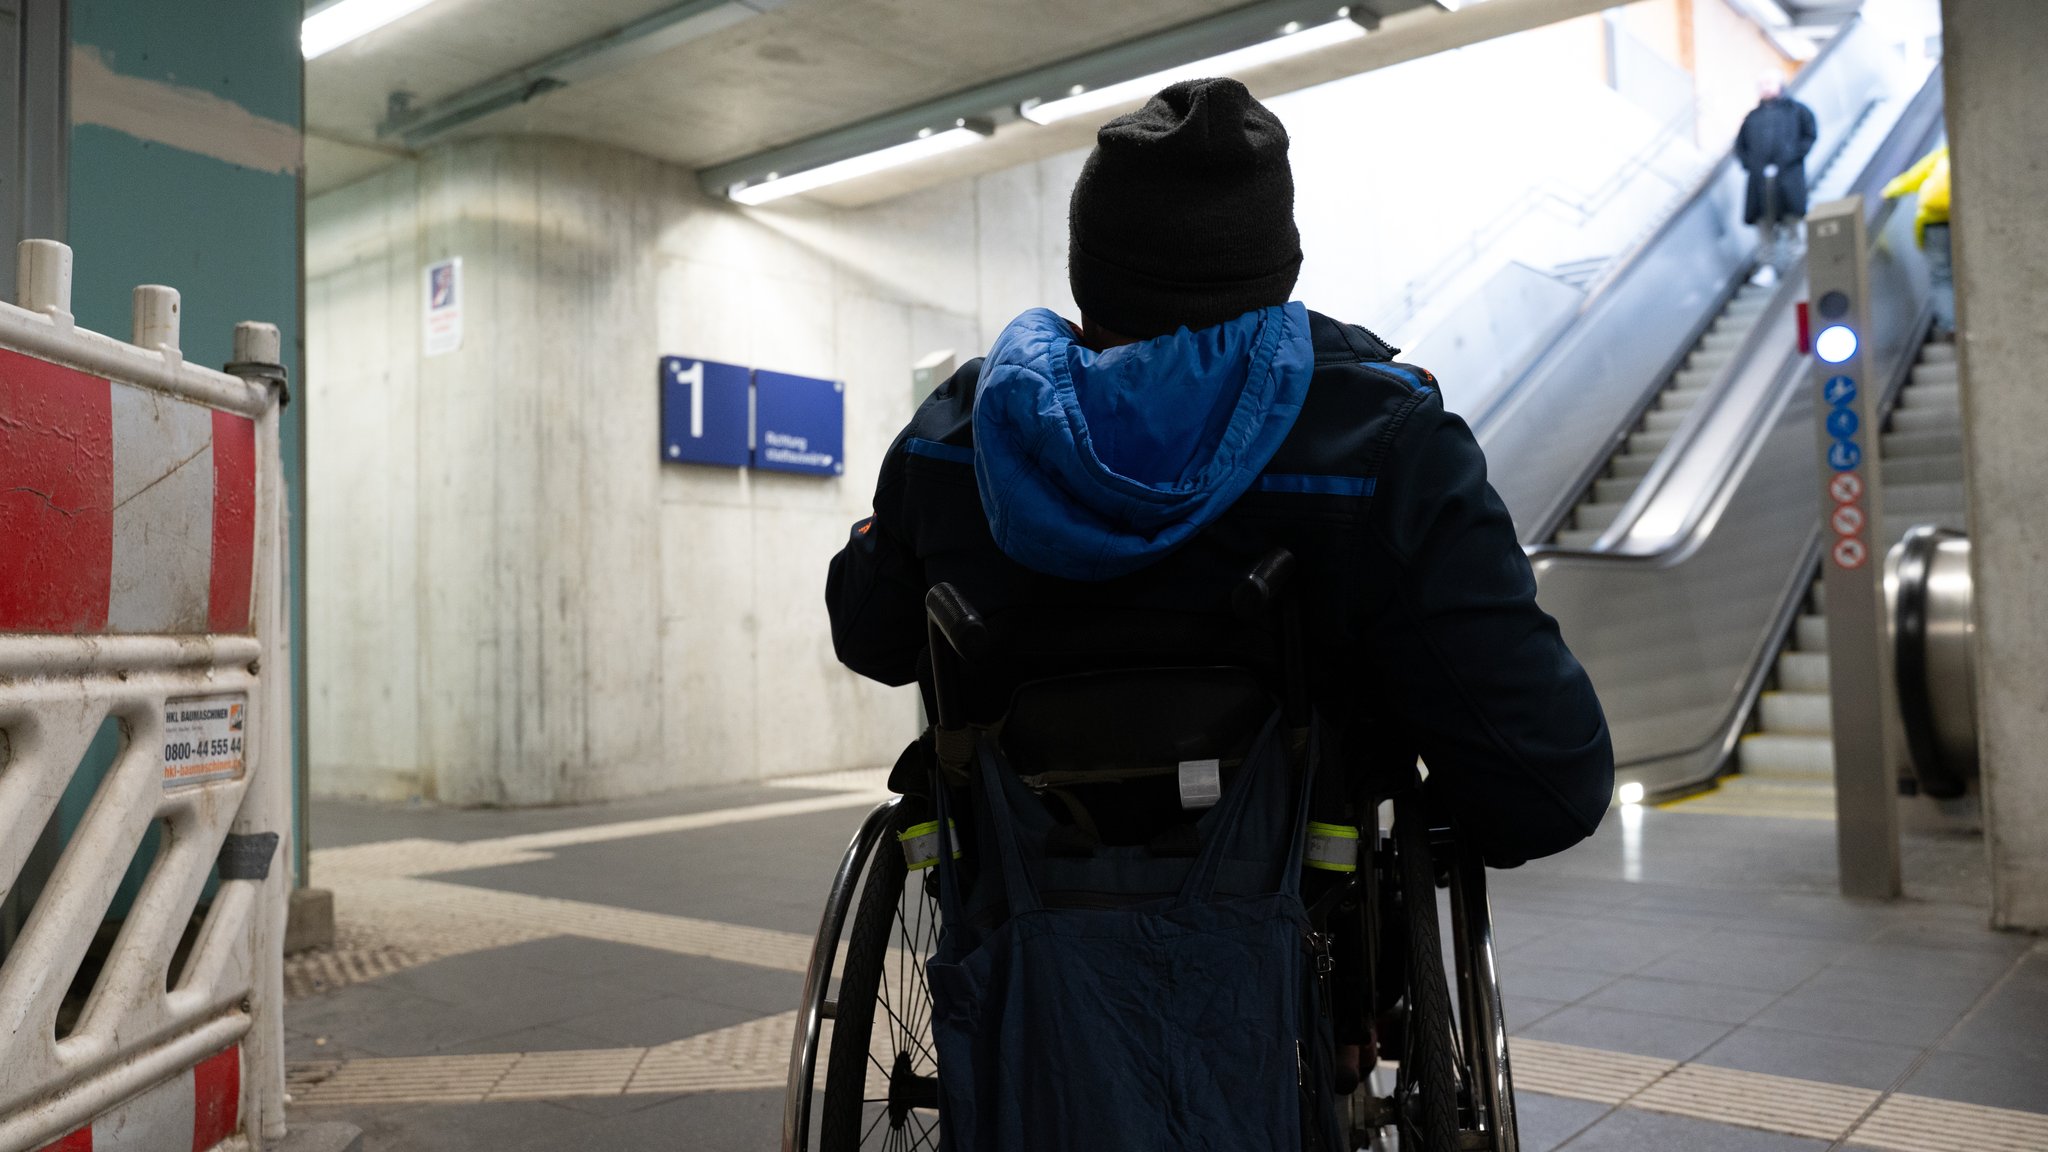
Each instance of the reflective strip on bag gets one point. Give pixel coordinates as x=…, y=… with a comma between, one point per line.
x=1331, y=847
x=921, y=844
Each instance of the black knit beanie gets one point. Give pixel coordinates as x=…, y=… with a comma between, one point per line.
x=1184, y=213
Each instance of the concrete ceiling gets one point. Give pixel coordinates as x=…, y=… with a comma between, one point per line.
x=803, y=68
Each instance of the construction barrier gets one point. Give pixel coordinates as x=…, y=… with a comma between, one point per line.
x=142, y=580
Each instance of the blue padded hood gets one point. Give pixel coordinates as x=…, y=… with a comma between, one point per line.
x=1094, y=464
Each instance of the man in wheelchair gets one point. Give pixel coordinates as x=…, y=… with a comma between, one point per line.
x=1190, y=586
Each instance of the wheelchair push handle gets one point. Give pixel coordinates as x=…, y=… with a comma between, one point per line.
x=1259, y=593
x=956, y=620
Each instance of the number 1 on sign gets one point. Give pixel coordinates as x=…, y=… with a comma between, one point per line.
x=694, y=377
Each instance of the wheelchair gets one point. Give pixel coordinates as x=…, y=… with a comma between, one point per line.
x=1112, y=704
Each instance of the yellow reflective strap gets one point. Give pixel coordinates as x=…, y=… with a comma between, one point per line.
x=1331, y=847
x=921, y=844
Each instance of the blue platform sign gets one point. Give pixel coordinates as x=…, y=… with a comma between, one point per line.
x=704, y=412
x=800, y=424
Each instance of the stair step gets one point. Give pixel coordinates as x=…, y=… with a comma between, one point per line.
x=1721, y=341
x=1796, y=713
x=1664, y=419
x=1578, y=537
x=1810, y=634
x=1630, y=465
x=1786, y=756
x=1938, y=353
x=1803, y=671
x=1901, y=444
x=1708, y=360
x=1927, y=419
x=1931, y=396
x=1616, y=489
x=1942, y=373
x=1911, y=470
x=1647, y=443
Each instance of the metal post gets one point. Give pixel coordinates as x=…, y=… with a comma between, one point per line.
x=1846, y=430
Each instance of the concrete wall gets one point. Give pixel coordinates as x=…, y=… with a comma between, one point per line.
x=515, y=602
x=1999, y=140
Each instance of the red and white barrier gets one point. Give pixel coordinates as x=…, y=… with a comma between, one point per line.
x=142, y=581
x=131, y=511
x=195, y=1109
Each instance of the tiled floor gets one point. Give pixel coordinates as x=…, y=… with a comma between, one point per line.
x=619, y=977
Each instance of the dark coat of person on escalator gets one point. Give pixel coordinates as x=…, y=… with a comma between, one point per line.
x=1773, y=143
x=1196, y=418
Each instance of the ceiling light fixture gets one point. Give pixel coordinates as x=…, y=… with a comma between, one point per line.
x=775, y=186
x=329, y=27
x=1281, y=47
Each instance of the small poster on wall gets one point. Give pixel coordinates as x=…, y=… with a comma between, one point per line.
x=443, y=328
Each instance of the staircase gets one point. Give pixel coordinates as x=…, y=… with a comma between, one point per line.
x=1597, y=509
x=1921, y=467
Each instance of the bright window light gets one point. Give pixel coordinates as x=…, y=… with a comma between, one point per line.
x=1835, y=343
x=775, y=187
x=1265, y=52
x=1631, y=793
x=345, y=20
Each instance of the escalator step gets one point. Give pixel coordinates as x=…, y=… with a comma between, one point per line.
x=1651, y=443
x=1721, y=341
x=1664, y=419
x=1630, y=465
x=1810, y=634
x=1906, y=470
x=1695, y=379
x=1927, y=419
x=1595, y=517
x=1680, y=397
x=1900, y=444
x=1817, y=594
x=1931, y=396
x=1616, y=489
x=1803, y=671
x=1915, y=499
x=1578, y=537
x=1796, y=713
x=1786, y=756
x=1937, y=353
x=1942, y=372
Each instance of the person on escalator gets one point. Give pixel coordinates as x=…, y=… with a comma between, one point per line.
x=1196, y=417
x=1772, y=146
x=1929, y=179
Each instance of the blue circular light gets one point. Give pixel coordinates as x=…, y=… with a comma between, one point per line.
x=1835, y=343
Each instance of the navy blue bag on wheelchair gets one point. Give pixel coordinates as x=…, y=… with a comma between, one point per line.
x=1189, y=1022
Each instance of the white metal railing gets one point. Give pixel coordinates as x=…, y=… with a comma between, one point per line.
x=154, y=598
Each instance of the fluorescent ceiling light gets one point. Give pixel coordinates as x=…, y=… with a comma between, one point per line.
x=1282, y=47
x=775, y=187
x=345, y=20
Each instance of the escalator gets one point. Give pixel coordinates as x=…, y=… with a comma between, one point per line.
x=1697, y=575
x=1658, y=334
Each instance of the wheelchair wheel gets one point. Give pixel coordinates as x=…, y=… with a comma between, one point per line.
x=881, y=1077
x=1426, y=1091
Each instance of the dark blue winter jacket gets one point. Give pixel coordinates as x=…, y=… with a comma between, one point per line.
x=1048, y=473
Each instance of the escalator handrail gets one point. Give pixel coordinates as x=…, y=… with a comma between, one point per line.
x=1937, y=777
x=1619, y=268
x=1877, y=213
